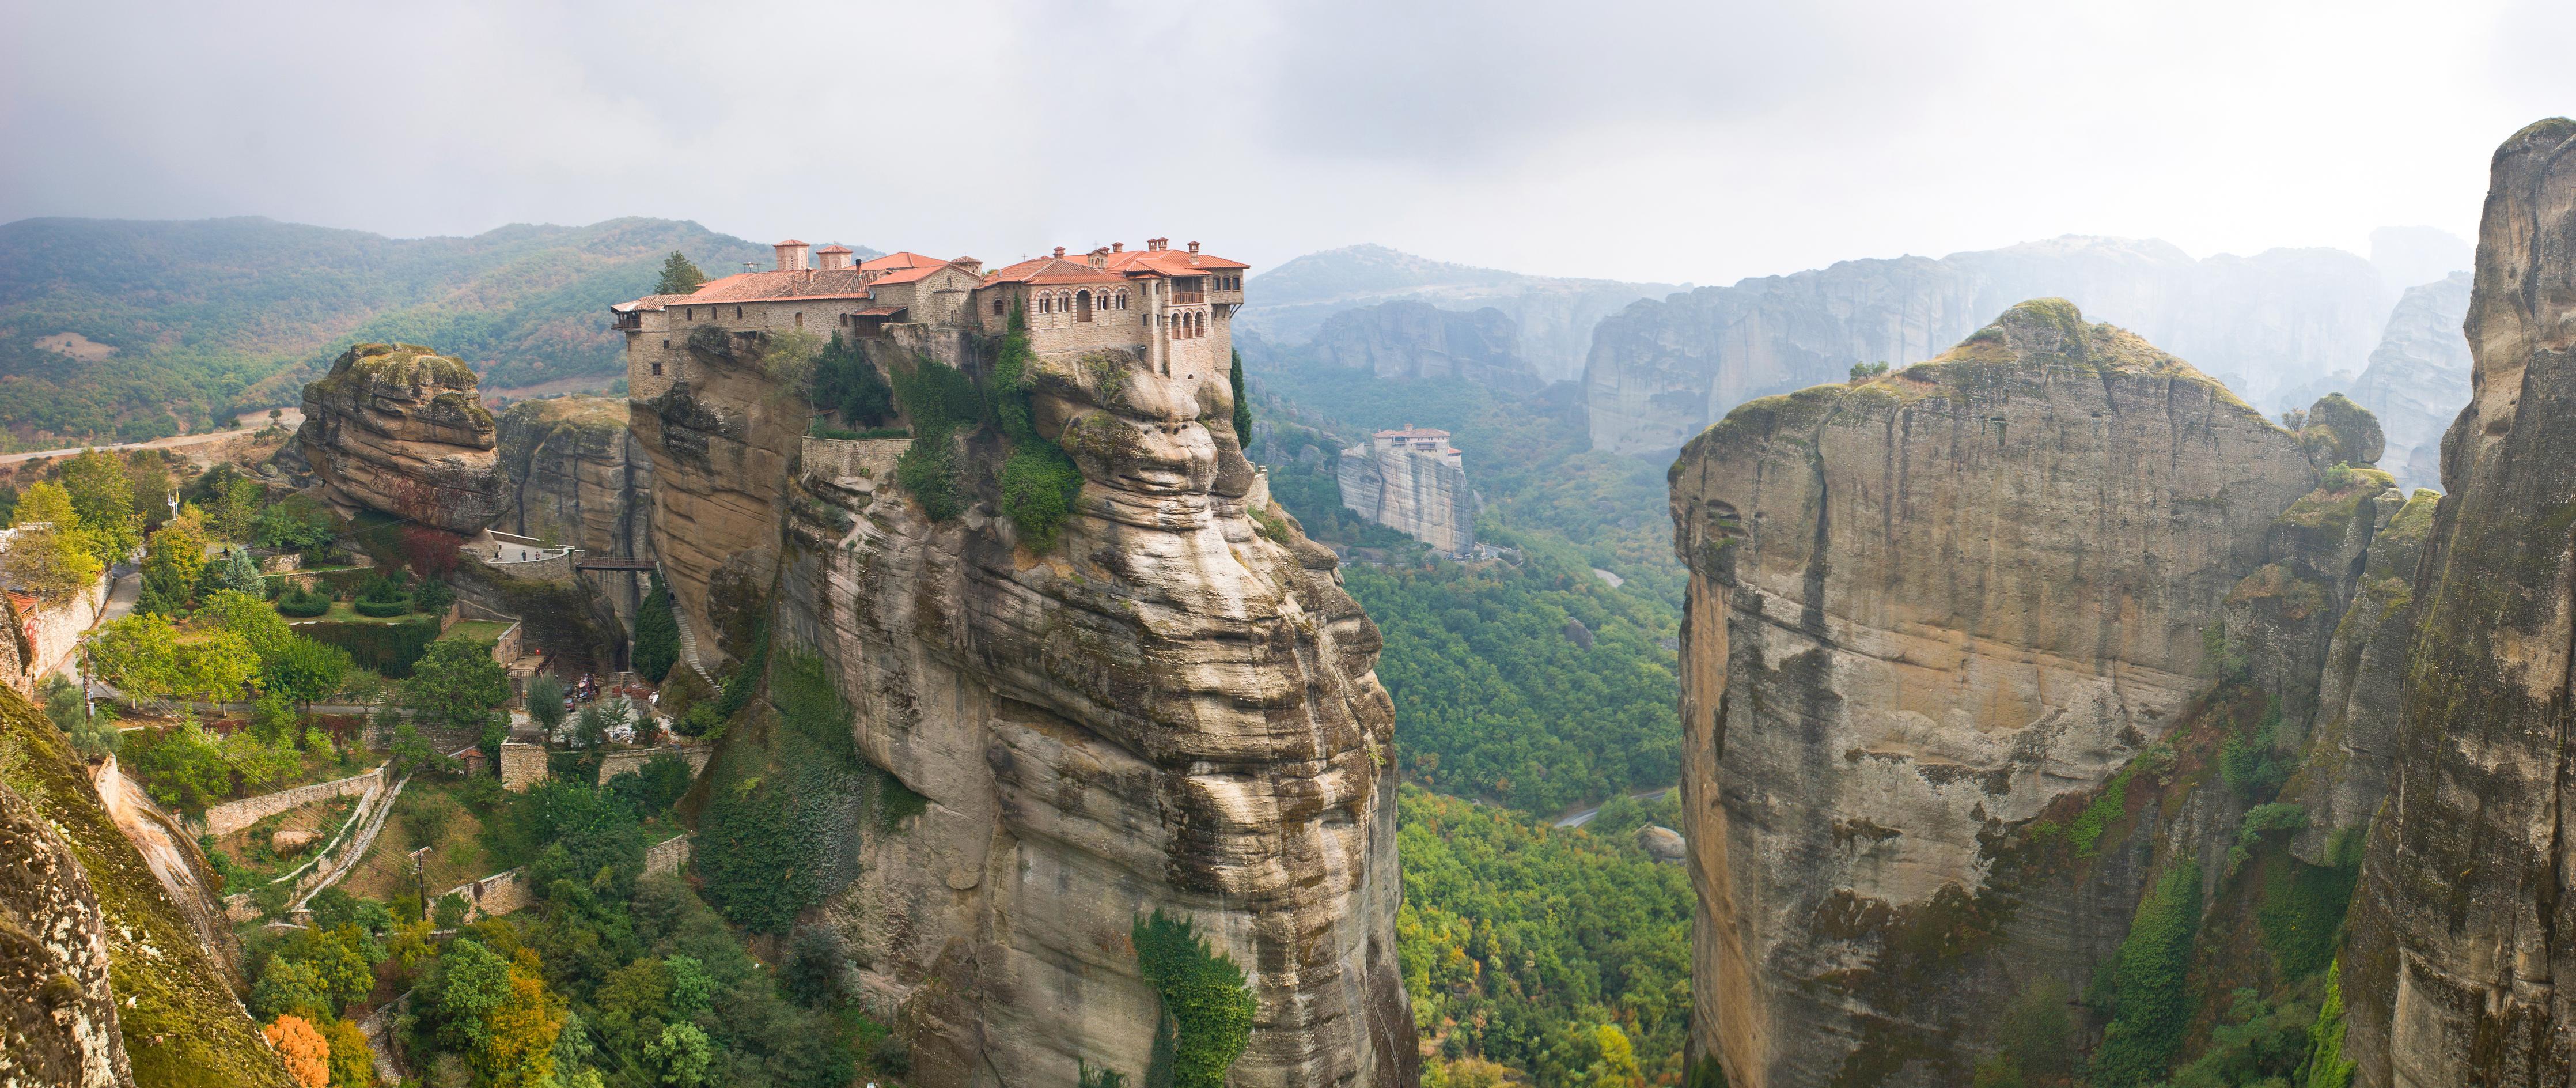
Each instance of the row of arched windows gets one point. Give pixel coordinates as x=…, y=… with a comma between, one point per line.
x=1080, y=303
x=1189, y=325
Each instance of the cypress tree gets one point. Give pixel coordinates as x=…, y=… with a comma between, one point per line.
x=1242, y=405
x=679, y=277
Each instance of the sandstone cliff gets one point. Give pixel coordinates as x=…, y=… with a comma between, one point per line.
x=1172, y=709
x=2418, y=377
x=400, y=429
x=575, y=475
x=1659, y=371
x=1933, y=615
x=1424, y=496
x=2458, y=933
x=107, y=981
x=1416, y=340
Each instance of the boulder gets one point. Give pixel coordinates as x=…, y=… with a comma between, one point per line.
x=401, y=430
x=1662, y=843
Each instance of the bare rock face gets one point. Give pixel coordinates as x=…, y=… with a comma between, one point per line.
x=1659, y=371
x=2348, y=769
x=1416, y=340
x=1172, y=709
x=400, y=429
x=58, y=1027
x=2452, y=973
x=2418, y=377
x=1922, y=608
x=1422, y=495
x=576, y=475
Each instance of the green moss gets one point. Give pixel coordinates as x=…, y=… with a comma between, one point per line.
x=2148, y=990
x=2085, y=834
x=184, y=1028
x=2326, y=1067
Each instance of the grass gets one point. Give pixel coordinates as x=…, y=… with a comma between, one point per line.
x=341, y=612
x=483, y=631
x=456, y=854
x=251, y=857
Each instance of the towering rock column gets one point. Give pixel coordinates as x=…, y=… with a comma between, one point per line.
x=2465, y=925
x=1921, y=609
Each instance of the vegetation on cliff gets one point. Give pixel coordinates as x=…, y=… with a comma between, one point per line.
x=1207, y=1008
x=657, y=634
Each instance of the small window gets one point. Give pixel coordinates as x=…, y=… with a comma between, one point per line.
x=737, y=313
x=657, y=369
x=997, y=305
x=800, y=319
x=666, y=346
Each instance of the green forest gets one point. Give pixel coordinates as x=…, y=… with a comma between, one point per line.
x=1534, y=685
x=209, y=318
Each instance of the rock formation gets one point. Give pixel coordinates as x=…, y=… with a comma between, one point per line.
x=1420, y=493
x=2451, y=974
x=106, y=980
x=576, y=476
x=1171, y=709
x=1659, y=371
x=1553, y=316
x=1929, y=609
x=1416, y=340
x=2418, y=377
x=59, y=1025
x=400, y=429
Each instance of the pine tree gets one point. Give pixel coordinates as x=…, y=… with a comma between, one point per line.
x=1242, y=406
x=679, y=277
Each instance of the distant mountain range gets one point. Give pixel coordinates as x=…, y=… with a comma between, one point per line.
x=1553, y=315
x=178, y=323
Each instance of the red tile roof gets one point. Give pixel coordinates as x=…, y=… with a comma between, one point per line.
x=1051, y=270
x=648, y=302
x=1172, y=262
x=900, y=259
x=780, y=286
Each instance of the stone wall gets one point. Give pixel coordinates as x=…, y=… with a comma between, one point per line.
x=624, y=760
x=1420, y=495
x=666, y=856
x=505, y=892
x=837, y=458
x=231, y=816
x=522, y=765
x=56, y=629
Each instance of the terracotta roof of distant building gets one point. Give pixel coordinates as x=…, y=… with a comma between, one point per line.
x=802, y=283
x=789, y=242
x=1172, y=262
x=913, y=272
x=648, y=302
x=1411, y=431
x=1049, y=270
x=834, y=248
x=900, y=259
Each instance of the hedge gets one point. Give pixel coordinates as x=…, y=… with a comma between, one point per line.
x=302, y=605
x=399, y=606
x=388, y=648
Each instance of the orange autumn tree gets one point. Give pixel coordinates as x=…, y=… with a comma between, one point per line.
x=307, y=1057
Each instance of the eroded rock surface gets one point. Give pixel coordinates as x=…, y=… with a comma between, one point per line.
x=1173, y=708
x=1922, y=609
x=400, y=429
x=2418, y=377
x=58, y=1025
x=1411, y=340
x=2459, y=937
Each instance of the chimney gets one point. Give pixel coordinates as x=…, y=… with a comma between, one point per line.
x=834, y=258
x=791, y=255
x=1156, y=243
x=1100, y=256
x=1117, y=247
x=1059, y=251
x=1194, y=247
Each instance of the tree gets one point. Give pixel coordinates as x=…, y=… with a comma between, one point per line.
x=216, y=666
x=845, y=381
x=138, y=655
x=172, y=562
x=680, y=1055
x=147, y=481
x=679, y=277
x=1618, y=1065
x=236, y=571
x=1242, y=405
x=232, y=503
x=91, y=735
x=518, y=1051
x=304, y=671
x=297, y=522
x=353, y=1065
x=307, y=1056
x=103, y=498
x=51, y=557
x=657, y=634
x=546, y=701
x=456, y=685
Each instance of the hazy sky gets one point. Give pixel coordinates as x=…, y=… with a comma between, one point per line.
x=1664, y=141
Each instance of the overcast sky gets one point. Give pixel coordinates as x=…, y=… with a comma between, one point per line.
x=1643, y=141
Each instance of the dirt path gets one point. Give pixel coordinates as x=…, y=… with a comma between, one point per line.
x=291, y=419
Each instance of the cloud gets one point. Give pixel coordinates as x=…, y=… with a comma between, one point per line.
x=1665, y=140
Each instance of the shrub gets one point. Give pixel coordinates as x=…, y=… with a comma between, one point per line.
x=1039, y=485
x=399, y=606
x=930, y=471
x=302, y=603
x=657, y=635
x=2149, y=992
x=844, y=380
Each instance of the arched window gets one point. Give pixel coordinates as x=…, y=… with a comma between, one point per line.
x=1082, y=305
x=1046, y=304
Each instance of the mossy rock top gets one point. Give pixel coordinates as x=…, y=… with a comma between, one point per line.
x=402, y=364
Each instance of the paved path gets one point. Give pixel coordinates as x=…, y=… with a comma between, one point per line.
x=1578, y=819
x=290, y=419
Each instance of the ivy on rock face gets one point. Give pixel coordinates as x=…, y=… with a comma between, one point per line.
x=1207, y=1008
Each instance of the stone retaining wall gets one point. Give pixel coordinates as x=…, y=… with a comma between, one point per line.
x=622, y=761
x=231, y=816
x=834, y=458
x=666, y=856
x=504, y=892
